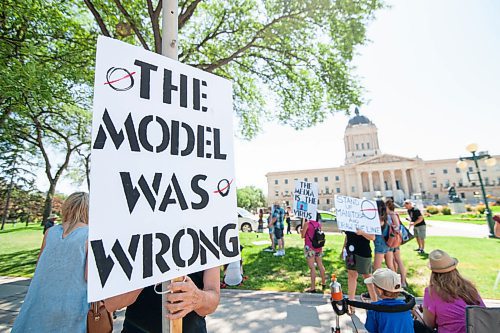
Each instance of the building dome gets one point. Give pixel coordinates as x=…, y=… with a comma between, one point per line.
x=357, y=119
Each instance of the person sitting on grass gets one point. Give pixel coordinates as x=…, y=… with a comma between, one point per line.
x=388, y=286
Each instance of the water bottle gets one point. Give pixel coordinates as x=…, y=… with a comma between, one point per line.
x=335, y=289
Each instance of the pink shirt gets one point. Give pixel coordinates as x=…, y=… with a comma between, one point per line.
x=310, y=233
x=450, y=317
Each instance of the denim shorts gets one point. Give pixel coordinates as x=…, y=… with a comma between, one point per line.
x=380, y=245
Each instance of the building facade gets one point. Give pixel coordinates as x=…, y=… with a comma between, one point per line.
x=369, y=173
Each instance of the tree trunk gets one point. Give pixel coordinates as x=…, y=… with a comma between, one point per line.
x=47, y=207
x=7, y=201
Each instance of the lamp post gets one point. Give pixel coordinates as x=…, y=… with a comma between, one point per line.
x=490, y=161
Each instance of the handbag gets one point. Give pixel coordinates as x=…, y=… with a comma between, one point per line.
x=99, y=319
x=406, y=234
x=394, y=239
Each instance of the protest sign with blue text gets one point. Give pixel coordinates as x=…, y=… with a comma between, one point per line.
x=353, y=213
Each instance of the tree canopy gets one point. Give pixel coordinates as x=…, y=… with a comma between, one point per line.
x=290, y=60
x=250, y=197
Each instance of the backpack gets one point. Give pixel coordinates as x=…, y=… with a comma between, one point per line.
x=318, y=239
x=394, y=237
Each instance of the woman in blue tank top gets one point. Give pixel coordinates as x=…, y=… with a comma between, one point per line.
x=57, y=297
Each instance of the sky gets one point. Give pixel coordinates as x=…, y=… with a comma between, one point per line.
x=431, y=75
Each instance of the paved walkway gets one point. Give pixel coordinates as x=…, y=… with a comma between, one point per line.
x=241, y=311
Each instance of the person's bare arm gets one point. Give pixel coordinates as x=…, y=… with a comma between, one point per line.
x=429, y=318
x=186, y=297
x=304, y=230
x=120, y=301
x=43, y=246
x=370, y=237
x=419, y=220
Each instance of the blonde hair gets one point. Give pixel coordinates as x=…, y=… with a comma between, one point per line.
x=75, y=209
x=451, y=285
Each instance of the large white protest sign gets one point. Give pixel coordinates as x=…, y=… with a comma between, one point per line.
x=162, y=200
x=305, y=199
x=353, y=213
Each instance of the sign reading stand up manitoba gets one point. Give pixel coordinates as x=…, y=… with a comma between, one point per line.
x=162, y=200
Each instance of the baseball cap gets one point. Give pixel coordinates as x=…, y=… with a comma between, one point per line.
x=407, y=201
x=386, y=279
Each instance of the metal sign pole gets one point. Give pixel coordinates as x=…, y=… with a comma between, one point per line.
x=169, y=49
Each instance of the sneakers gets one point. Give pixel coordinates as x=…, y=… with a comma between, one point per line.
x=279, y=253
x=421, y=251
x=418, y=250
x=269, y=249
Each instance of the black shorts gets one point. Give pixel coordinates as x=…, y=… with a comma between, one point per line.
x=278, y=233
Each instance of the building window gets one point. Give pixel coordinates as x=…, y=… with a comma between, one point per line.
x=445, y=171
x=434, y=184
x=327, y=190
x=486, y=181
x=436, y=197
x=286, y=192
x=362, y=146
x=337, y=178
x=295, y=179
x=276, y=193
x=326, y=178
x=275, y=182
x=457, y=170
x=327, y=201
x=367, y=145
x=473, y=184
x=357, y=146
x=337, y=189
x=471, y=169
x=446, y=183
x=286, y=181
x=462, y=195
x=288, y=203
x=353, y=189
x=460, y=183
x=315, y=179
x=305, y=179
x=431, y=171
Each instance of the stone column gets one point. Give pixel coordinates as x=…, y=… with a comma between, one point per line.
x=382, y=185
x=416, y=180
x=393, y=182
x=359, y=184
x=406, y=189
x=370, y=181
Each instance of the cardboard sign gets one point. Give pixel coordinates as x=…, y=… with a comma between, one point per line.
x=163, y=198
x=305, y=199
x=353, y=213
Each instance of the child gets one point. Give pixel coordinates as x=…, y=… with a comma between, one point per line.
x=387, y=285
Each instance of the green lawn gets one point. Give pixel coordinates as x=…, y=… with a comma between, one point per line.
x=478, y=262
x=478, y=258
x=19, y=247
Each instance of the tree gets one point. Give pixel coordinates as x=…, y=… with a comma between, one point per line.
x=289, y=59
x=250, y=197
x=46, y=65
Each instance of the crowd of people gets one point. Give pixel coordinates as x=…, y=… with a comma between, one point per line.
x=57, y=296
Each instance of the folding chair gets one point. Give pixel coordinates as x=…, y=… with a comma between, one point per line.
x=480, y=319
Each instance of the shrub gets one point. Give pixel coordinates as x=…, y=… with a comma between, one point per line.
x=446, y=210
x=433, y=210
x=480, y=209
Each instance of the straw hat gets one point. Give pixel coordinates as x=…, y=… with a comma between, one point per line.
x=441, y=262
x=386, y=279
